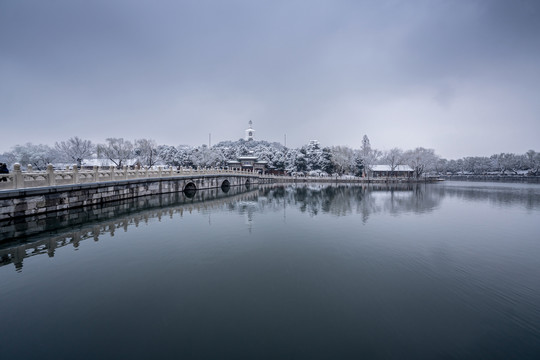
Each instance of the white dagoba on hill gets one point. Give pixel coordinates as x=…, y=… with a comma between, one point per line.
x=250, y=133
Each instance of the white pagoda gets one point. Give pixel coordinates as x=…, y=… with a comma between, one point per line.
x=250, y=133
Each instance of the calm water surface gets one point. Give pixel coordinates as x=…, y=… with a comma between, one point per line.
x=447, y=270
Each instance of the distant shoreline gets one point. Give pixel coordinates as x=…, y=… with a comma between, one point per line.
x=494, y=178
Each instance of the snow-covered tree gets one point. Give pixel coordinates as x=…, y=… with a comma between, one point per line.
x=75, y=149
x=279, y=160
x=204, y=156
x=117, y=150
x=359, y=164
x=506, y=162
x=441, y=166
x=393, y=157
x=300, y=162
x=368, y=155
x=344, y=159
x=533, y=162
x=175, y=156
x=290, y=159
x=366, y=146
x=8, y=158
x=477, y=164
x=39, y=156
x=169, y=155
x=326, y=163
x=146, y=151
x=420, y=160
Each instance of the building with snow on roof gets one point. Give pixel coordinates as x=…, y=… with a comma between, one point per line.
x=386, y=170
x=248, y=162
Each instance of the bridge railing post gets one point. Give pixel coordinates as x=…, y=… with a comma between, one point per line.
x=111, y=172
x=75, y=174
x=125, y=172
x=159, y=171
x=18, y=180
x=96, y=173
x=51, y=180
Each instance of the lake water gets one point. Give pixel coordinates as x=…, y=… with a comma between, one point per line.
x=449, y=270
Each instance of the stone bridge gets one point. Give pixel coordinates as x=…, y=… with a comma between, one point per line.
x=19, y=179
x=60, y=191
x=24, y=238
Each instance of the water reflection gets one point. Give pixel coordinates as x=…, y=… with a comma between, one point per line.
x=345, y=200
x=394, y=199
x=43, y=234
x=434, y=271
x=497, y=194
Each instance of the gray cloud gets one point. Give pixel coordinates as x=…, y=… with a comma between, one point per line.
x=459, y=76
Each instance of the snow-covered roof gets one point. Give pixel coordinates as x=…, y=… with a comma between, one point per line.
x=389, y=168
x=248, y=157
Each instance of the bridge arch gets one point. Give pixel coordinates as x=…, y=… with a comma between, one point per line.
x=190, y=189
x=225, y=186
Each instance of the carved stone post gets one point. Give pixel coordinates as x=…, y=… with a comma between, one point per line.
x=125, y=172
x=18, y=180
x=159, y=171
x=111, y=170
x=96, y=173
x=29, y=168
x=75, y=174
x=50, y=175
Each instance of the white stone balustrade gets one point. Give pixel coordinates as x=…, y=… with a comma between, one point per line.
x=19, y=179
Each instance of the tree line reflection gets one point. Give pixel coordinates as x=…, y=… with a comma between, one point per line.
x=46, y=233
x=344, y=200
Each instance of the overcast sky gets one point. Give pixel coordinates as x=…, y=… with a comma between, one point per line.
x=462, y=77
